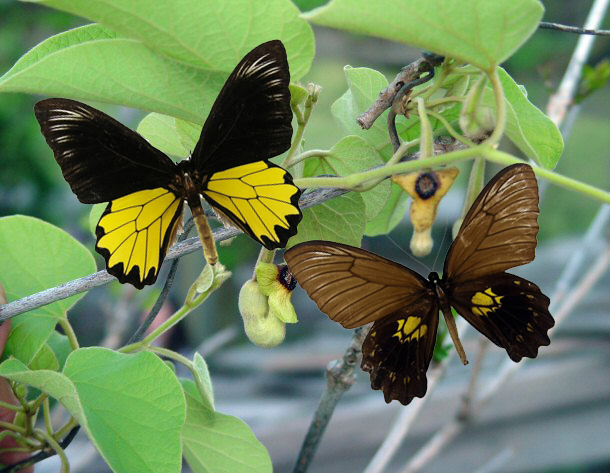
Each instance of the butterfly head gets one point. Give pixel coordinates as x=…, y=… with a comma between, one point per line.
x=434, y=278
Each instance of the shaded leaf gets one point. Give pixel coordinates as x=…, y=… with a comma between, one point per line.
x=479, y=32
x=218, y=443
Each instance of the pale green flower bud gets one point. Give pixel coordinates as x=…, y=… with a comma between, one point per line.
x=262, y=327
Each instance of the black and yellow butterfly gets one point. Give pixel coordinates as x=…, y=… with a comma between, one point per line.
x=355, y=287
x=103, y=161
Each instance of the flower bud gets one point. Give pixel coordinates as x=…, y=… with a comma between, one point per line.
x=262, y=327
x=277, y=282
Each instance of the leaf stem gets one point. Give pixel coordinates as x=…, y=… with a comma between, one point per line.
x=69, y=331
x=47, y=416
x=452, y=131
x=302, y=119
x=65, y=465
x=496, y=135
x=312, y=153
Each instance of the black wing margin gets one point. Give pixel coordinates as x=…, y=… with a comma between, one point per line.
x=99, y=157
x=511, y=311
x=251, y=118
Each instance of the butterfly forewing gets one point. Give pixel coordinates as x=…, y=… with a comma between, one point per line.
x=511, y=311
x=353, y=286
x=251, y=118
x=135, y=232
x=499, y=231
x=398, y=349
x=260, y=198
x=99, y=157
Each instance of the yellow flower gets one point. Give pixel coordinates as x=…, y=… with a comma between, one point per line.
x=277, y=283
x=426, y=188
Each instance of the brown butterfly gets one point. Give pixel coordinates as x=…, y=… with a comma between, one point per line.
x=354, y=287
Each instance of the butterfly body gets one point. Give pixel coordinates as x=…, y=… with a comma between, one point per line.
x=104, y=161
x=355, y=287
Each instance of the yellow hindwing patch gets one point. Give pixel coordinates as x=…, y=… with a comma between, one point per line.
x=257, y=198
x=410, y=330
x=136, y=231
x=485, y=302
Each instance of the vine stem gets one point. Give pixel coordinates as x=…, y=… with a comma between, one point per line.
x=483, y=150
x=312, y=153
x=193, y=299
x=69, y=331
x=65, y=465
x=162, y=328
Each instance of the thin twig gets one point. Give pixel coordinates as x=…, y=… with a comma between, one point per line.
x=100, y=278
x=339, y=378
x=169, y=280
x=407, y=74
x=499, y=461
x=465, y=411
x=431, y=449
x=563, y=98
x=546, y=25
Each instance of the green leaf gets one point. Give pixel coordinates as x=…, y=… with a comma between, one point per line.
x=203, y=379
x=160, y=131
x=218, y=443
x=95, y=214
x=341, y=219
x=353, y=154
x=188, y=132
x=117, y=70
x=481, y=32
x=298, y=94
x=36, y=256
x=28, y=335
x=45, y=359
x=54, y=384
x=206, y=35
x=134, y=401
x=57, y=43
x=527, y=126
x=363, y=86
x=61, y=347
x=395, y=209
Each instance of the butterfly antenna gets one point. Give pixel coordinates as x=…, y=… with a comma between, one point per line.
x=440, y=246
x=407, y=253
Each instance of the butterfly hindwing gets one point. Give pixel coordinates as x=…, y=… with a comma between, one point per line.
x=398, y=349
x=135, y=232
x=260, y=198
x=251, y=118
x=99, y=157
x=350, y=285
x=499, y=231
x=509, y=310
